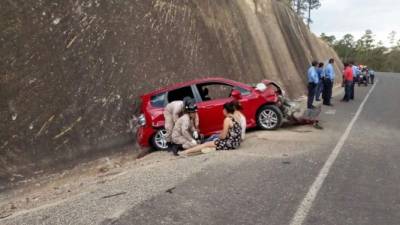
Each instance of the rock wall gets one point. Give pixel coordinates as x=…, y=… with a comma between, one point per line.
x=71, y=71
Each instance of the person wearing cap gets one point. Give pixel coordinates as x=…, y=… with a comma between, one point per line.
x=312, y=84
x=172, y=112
x=185, y=127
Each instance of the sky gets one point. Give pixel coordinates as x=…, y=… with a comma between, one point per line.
x=340, y=17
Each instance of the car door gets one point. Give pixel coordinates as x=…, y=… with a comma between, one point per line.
x=210, y=107
x=248, y=102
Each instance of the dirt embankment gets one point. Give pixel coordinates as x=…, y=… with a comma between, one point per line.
x=72, y=71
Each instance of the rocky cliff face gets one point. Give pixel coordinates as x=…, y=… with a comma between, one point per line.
x=71, y=69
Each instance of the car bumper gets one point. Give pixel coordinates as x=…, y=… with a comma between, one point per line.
x=144, y=134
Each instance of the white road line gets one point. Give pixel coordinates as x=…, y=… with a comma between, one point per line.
x=306, y=204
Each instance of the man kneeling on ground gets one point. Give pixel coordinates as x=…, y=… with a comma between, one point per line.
x=185, y=126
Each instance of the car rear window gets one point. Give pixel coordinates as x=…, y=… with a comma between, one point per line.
x=158, y=101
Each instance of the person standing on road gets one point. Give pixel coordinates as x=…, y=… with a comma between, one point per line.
x=320, y=86
x=182, y=133
x=372, y=76
x=348, y=81
x=312, y=84
x=328, y=83
x=356, y=73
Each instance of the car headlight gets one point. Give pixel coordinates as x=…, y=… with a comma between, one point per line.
x=142, y=120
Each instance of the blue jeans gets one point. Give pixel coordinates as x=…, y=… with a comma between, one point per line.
x=212, y=138
x=347, y=90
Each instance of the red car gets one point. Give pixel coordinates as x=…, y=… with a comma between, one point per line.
x=262, y=107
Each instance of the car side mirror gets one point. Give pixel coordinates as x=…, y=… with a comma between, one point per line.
x=236, y=94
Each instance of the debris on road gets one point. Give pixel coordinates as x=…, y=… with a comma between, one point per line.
x=170, y=191
x=114, y=195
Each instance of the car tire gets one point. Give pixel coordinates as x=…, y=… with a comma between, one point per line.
x=269, y=117
x=158, y=140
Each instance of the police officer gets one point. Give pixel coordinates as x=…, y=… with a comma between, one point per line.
x=172, y=112
x=320, y=86
x=185, y=127
x=328, y=83
x=312, y=84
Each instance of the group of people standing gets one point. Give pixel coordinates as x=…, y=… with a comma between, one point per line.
x=320, y=81
x=182, y=128
x=353, y=74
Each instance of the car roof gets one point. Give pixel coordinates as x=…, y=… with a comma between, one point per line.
x=196, y=81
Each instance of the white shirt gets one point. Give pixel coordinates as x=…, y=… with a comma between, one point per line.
x=243, y=124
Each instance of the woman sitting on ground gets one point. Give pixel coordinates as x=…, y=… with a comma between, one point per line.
x=242, y=118
x=231, y=135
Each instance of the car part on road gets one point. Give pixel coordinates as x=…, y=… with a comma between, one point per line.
x=269, y=117
x=158, y=141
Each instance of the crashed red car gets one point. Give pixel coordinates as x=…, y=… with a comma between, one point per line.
x=262, y=107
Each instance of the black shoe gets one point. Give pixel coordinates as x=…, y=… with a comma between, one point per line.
x=318, y=100
x=175, y=149
x=170, y=146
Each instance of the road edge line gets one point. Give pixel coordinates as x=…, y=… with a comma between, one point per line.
x=306, y=204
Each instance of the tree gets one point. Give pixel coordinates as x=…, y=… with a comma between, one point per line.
x=369, y=52
x=311, y=5
x=392, y=38
x=290, y=3
x=368, y=40
x=345, y=47
x=300, y=7
x=328, y=39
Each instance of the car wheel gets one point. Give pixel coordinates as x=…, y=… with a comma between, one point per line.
x=158, y=141
x=269, y=117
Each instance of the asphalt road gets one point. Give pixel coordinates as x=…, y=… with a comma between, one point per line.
x=362, y=187
x=267, y=180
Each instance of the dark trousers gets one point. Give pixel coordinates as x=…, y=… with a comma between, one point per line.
x=353, y=83
x=312, y=87
x=319, y=90
x=372, y=77
x=347, y=90
x=327, y=91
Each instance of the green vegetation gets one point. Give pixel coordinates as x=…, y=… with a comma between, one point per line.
x=367, y=50
x=303, y=8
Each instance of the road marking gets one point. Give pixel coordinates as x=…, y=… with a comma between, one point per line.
x=331, y=112
x=306, y=204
